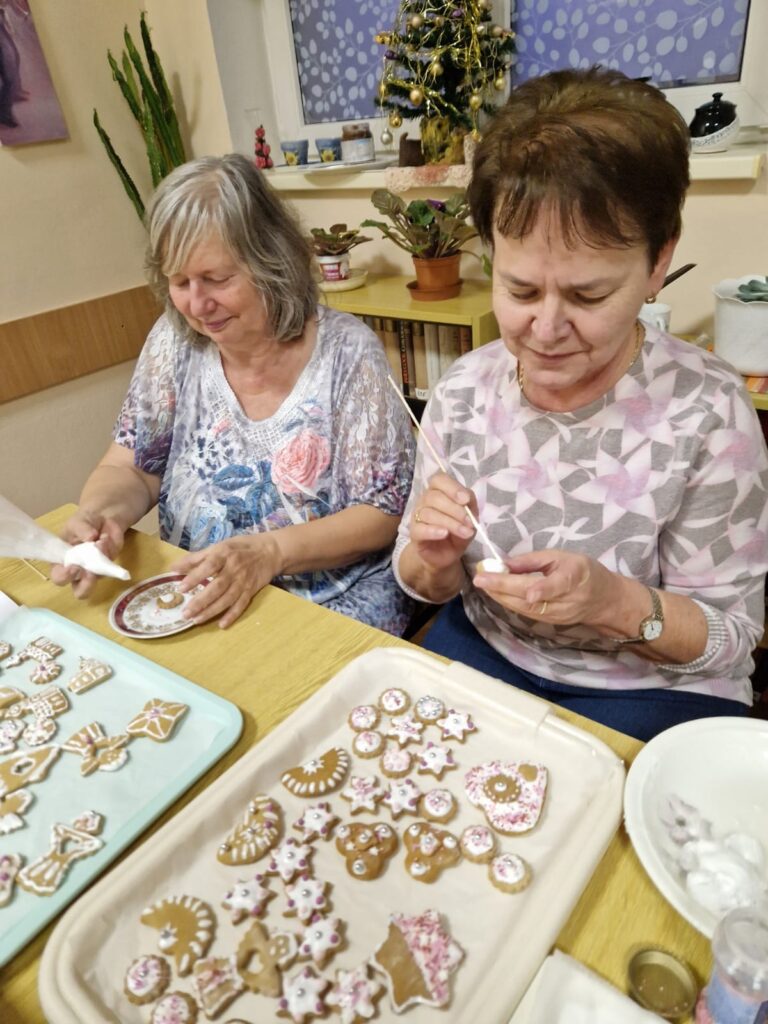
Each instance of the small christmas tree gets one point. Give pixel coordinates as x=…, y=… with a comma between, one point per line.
x=442, y=64
x=261, y=150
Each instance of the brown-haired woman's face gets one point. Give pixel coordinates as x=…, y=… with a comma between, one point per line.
x=568, y=314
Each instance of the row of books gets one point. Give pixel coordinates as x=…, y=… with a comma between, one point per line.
x=420, y=352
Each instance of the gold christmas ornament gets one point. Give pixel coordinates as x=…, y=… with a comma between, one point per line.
x=416, y=97
x=475, y=101
x=436, y=69
x=497, y=31
x=484, y=5
x=417, y=21
x=395, y=120
x=439, y=21
x=476, y=135
x=499, y=83
x=481, y=29
x=382, y=38
x=382, y=89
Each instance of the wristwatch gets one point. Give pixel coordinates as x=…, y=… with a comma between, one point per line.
x=652, y=625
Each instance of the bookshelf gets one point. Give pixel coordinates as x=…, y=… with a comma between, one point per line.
x=420, y=339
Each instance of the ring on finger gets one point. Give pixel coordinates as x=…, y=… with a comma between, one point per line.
x=417, y=516
x=544, y=606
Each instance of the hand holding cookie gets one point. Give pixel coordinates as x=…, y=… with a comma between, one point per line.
x=85, y=526
x=236, y=569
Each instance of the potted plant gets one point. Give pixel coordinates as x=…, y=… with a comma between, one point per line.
x=331, y=249
x=433, y=232
x=741, y=323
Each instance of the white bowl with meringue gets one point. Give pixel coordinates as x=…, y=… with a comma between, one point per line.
x=696, y=812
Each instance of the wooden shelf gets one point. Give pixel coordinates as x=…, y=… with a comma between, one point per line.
x=388, y=296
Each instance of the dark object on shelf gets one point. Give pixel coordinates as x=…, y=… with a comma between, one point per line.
x=714, y=125
x=410, y=154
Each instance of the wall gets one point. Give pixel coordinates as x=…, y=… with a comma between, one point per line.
x=69, y=231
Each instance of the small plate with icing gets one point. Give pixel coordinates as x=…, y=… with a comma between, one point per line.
x=152, y=608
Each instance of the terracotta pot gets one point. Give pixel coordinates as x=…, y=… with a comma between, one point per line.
x=436, y=278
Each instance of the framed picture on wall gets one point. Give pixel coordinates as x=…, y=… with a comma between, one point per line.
x=29, y=108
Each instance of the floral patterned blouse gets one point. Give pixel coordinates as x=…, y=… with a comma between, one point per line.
x=664, y=479
x=340, y=438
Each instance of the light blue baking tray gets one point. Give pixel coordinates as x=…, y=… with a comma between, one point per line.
x=130, y=798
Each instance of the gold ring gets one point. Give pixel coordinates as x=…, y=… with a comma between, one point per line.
x=417, y=516
x=544, y=605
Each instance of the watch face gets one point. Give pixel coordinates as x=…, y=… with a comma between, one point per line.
x=652, y=630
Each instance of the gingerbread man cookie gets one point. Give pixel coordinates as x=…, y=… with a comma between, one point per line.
x=366, y=848
x=256, y=835
x=511, y=793
x=186, y=925
x=319, y=775
x=430, y=851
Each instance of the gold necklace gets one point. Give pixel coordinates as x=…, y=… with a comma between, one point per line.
x=638, y=344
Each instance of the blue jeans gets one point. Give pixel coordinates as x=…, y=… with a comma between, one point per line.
x=638, y=713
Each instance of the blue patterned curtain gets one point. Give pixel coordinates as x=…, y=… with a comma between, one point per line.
x=675, y=42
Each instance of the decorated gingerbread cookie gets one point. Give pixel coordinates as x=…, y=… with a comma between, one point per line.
x=418, y=959
x=456, y=725
x=262, y=956
x=289, y=859
x=247, y=898
x=434, y=759
x=509, y=873
x=439, y=805
x=146, y=979
x=305, y=898
x=429, y=851
x=186, y=925
x=302, y=998
x=405, y=729
x=39, y=731
x=322, y=938
x=12, y=809
x=174, y=1008
x=25, y=767
x=10, y=865
x=428, y=709
x=10, y=731
x=368, y=743
x=217, y=982
x=363, y=793
x=364, y=716
x=316, y=822
x=157, y=719
x=98, y=751
x=478, y=843
x=394, y=701
x=366, y=848
x=402, y=797
x=90, y=673
x=255, y=835
x=354, y=995
x=395, y=762
x=511, y=793
x=319, y=775
x=45, y=672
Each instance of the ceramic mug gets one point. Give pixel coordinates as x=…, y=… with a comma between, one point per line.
x=329, y=150
x=296, y=152
x=657, y=314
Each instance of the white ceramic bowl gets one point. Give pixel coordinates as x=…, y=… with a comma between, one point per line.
x=718, y=765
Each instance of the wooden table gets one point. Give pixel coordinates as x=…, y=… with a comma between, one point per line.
x=269, y=662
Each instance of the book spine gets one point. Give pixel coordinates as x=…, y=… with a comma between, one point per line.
x=392, y=348
x=448, y=340
x=421, y=378
x=406, y=357
x=465, y=338
x=432, y=346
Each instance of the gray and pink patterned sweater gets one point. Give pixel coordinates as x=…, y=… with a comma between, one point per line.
x=663, y=479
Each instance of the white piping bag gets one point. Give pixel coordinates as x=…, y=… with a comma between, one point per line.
x=22, y=537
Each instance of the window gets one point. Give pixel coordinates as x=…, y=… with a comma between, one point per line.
x=687, y=47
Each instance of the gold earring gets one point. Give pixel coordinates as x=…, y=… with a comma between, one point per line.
x=650, y=298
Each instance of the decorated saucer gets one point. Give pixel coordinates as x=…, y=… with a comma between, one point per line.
x=153, y=608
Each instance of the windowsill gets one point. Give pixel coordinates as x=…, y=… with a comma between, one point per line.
x=743, y=162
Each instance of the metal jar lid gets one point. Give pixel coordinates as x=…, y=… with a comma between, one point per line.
x=659, y=982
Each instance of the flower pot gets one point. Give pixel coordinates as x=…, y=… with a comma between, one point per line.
x=436, y=278
x=741, y=328
x=334, y=268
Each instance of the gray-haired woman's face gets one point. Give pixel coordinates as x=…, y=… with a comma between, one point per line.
x=216, y=297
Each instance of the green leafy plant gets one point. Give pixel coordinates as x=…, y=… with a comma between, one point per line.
x=426, y=228
x=147, y=94
x=754, y=290
x=336, y=241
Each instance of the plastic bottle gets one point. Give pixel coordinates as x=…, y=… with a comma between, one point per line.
x=737, y=991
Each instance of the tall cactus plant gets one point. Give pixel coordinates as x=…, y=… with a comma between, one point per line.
x=146, y=92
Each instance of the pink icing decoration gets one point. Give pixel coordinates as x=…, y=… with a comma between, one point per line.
x=436, y=954
x=302, y=995
x=316, y=821
x=489, y=786
x=364, y=717
x=403, y=796
x=320, y=937
x=353, y=995
x=456, y=724
x=144, y=974
x=394, y=700
x=508, y=868
x=435, y=759
x=306, y=897
x=438, y=802
x=289, y=858
x=171, y=1009
x=477, y=840
x=368, y=742
x=396, y=760
x=405, y=729
x=363, y=792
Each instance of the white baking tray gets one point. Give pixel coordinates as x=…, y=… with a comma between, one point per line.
x=505, y=937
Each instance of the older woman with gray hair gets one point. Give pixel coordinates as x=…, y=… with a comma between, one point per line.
x=260, y=423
